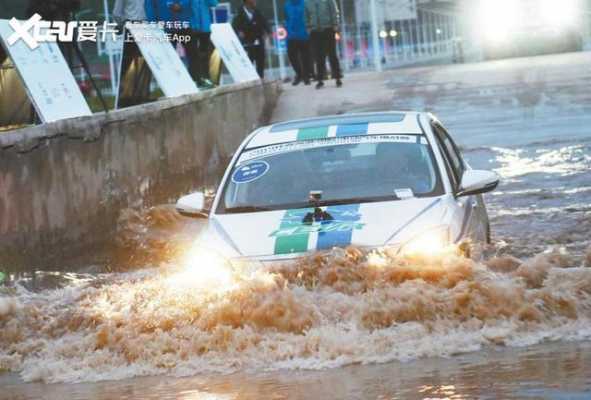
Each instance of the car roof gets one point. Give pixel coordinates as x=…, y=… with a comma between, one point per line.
x=379, y=123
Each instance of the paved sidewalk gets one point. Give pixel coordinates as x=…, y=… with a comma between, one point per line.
x=479, y=102
x=360, y=91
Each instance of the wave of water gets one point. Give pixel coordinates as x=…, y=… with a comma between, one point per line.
x=330, y=310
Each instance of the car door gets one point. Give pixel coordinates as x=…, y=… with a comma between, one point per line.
x=471, y=209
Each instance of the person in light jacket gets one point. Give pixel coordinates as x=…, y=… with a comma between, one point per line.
x=324, y=20
x=297, y=19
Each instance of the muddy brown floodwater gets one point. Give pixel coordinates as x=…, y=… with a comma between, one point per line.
x=516, y=325
x=557, y=371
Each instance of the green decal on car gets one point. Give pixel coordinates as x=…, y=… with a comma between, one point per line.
x=293, y=235
x=333, y=226
x=313, y=133
x=290, y=238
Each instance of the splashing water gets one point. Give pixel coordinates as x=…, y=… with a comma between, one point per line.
x=325, y=311
x=548, y=161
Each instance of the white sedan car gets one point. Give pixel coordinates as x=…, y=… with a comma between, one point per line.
x=373, y=180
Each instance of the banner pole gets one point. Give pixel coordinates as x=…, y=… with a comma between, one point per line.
x=377, y=59
x=282, y=73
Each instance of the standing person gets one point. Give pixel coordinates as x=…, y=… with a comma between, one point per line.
x=252, y=28
x=177, y=14
x=134, y=87
x=132, y=11
x=298, y=40
x=56, y=11
x=324, y=19
x=201, y=23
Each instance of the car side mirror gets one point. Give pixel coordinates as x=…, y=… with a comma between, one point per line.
x=192, y=206
x=477, y=182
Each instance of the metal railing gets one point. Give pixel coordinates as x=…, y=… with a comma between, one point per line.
x=431, y=37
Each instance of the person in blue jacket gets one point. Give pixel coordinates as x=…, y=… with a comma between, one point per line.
x=297, y=20
x=195, y=19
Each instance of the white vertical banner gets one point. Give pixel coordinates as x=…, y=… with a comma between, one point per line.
x=232, y=53
x=164, y=62
x=54, y=92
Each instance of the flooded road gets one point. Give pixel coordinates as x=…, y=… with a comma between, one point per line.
x=536, y=372
x=517, y=325
x=528, y=119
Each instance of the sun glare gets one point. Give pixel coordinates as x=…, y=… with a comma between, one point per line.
x=497, y=18
x=559, y=13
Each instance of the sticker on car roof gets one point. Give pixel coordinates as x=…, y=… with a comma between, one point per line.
x=310, y=144
x=250, y=172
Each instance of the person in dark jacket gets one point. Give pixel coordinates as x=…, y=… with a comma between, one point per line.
x=298, y=40
x=252, y=28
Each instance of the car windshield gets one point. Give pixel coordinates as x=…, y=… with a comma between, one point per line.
x=345, y=170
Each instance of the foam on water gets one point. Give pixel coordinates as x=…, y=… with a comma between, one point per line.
x=7, y=306
x=329, y=310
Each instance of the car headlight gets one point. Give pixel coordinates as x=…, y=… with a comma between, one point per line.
x=203, y=268
x=432, y=242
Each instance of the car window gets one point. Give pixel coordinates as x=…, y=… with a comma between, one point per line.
x=452, y=154
x=372, y=169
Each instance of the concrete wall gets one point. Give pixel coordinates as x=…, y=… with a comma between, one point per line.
x=63, y=185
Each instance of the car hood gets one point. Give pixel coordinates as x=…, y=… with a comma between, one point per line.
x=280, y=233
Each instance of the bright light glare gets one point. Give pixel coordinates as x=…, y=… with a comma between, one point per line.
x=377, y=260
x=432, y=242
x=204, y=269
x=497, y=18
x=558, y=13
